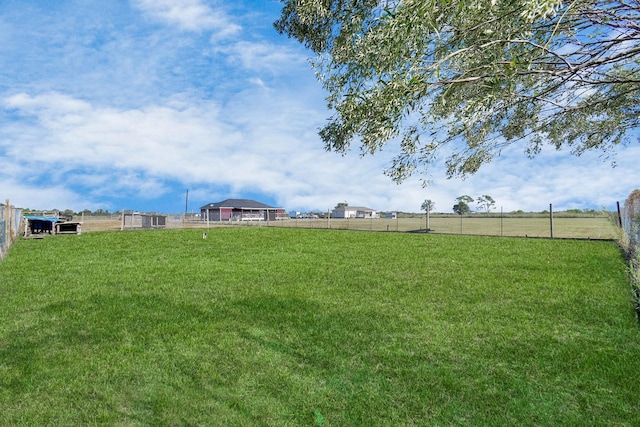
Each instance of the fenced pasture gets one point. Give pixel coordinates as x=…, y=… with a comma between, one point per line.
x=280, y=326
x=576, y=227
x=587, y=227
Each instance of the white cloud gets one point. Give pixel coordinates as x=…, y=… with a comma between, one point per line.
x=264, y=141
x=27, y=195
x=263, y=56
x=191, y=15
x=155, y=138
x=553, y=177
x=49, y=101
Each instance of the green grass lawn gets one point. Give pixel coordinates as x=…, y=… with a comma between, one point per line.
x=272, y=326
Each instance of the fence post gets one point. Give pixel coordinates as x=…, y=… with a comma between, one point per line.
x=619, y=215
x=7, y=221
x=551, y=219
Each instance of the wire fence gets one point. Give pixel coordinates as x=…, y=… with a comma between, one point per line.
x=630, y=221
x=599, y=226
x=587, y=227
x=10, y=223
x=596, y=226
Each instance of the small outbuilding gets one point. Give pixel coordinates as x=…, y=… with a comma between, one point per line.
x=146, y=221
x=241, y=210
x=68, y=227
x=39, y=225
x=354, y=212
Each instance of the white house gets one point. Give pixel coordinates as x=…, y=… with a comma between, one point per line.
x=354, y=212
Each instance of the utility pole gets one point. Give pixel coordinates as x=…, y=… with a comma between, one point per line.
x=186, y=206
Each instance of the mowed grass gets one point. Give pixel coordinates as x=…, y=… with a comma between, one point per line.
x=271, y=326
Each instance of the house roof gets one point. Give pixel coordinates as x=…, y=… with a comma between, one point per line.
x=353, y=208
x=237, y=204
x=41, y=218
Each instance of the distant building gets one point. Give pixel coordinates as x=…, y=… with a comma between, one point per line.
x=354, y=212
x=133, y=220
x=241, y=210
x=307, y=215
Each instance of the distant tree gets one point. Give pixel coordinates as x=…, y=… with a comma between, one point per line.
x=486, y=203
x=461, y=208
x=463, y=204
x=428, y=206
x=342, y=205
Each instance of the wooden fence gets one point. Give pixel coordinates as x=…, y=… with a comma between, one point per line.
x=10, y=222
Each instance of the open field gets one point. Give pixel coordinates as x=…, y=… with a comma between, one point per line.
x=586, y=227
x=563, y=227
x=273, y=326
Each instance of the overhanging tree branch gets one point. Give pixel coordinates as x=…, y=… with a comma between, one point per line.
x=479, y=75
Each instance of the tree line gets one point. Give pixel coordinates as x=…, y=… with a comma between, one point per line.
x=484, y=202
x=70, y=212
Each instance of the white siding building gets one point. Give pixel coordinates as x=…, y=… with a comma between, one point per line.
x=354, y=212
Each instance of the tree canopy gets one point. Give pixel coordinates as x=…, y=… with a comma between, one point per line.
x=486, y=202
x=428, y=205
x=462, y=79
x=462, y=207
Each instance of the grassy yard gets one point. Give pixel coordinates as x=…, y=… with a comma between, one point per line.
x=273, y=326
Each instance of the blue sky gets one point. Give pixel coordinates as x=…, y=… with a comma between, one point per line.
x=127, y=104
